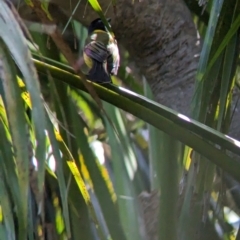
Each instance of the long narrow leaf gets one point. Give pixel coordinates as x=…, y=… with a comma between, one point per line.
x=188, y=131
x=131, y=102
x=14, y=39
x=125, y=168
x=17, y=124
x=100, y=186
x=204, y=57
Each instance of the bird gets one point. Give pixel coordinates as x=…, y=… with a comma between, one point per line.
x=100, y=57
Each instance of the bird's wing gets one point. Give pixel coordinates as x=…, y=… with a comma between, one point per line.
x=97, y=51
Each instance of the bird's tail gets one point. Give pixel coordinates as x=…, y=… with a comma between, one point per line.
x=98, y=73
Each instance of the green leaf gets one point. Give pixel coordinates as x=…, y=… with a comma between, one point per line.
x=125, y=170
x=60, y=176
x=13, y=38
x=6, y=208
x=165, y=155
x=232, y=31
x=186, y=130
x=100, y=186
x=204, y=58
x=17, y=125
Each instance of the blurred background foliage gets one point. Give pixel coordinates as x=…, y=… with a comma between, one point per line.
x=115, y=164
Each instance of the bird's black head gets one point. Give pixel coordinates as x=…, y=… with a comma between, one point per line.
x=97, y=24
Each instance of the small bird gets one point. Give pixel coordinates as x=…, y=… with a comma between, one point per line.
x=100, y=55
